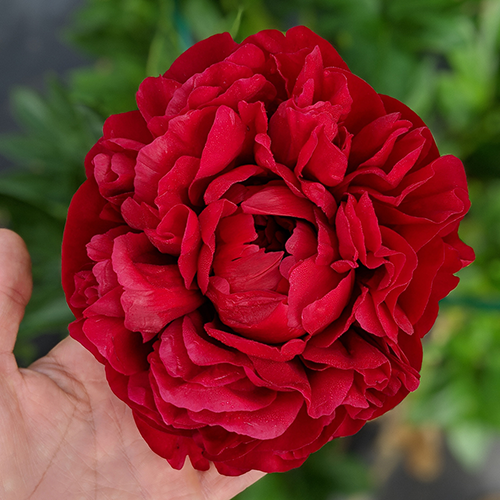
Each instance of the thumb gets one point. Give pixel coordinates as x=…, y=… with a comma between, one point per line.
x=15, y=290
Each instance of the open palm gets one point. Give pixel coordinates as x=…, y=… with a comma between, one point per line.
x=63, y=434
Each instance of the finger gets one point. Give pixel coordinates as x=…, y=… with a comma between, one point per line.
x=15, y=290
x=218, y=487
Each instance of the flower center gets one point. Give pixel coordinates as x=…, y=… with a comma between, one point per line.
x=273, y=232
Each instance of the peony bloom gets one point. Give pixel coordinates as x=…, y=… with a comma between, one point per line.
x=258, y=251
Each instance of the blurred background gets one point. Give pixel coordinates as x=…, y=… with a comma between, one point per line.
x=67, y=64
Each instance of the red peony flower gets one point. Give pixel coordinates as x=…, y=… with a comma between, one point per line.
x=258, y=250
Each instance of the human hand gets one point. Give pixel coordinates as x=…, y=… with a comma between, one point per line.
x=63, y=434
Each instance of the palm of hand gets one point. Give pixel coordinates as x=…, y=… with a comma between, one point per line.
x=63, y=434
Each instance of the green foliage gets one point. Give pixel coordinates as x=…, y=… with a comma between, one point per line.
x=34, y=197
x=460, y=380
x=461, y=370
x=331, y=469
x=133, y=39
x=241, y=18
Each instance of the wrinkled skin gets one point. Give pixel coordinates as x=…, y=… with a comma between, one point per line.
x=63, y=434
x=259, y=249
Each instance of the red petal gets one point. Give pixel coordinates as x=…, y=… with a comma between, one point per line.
x=123, y=350
x=329, y=389
x=278, y=200
x=179, y=234
x=82, y=223
x=320, y=313
x=223, y=144
x=282, y=353
x=174, y=448
x=173, y=186
x=308, y=283
x=220, y=400
x=154, y=94
x=200, y=56
x=265, y=423
x=129, y=125
x=153, y=294
x=209, y=219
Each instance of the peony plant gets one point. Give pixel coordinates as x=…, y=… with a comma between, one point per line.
x=258, y=250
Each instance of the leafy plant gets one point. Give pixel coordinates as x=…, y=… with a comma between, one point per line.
x=461, y=370
x=34, y=197
x=330, y=469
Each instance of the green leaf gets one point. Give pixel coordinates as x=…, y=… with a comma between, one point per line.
x=41, y=193
x=166, y=44
x=47, y=316
x=236, y=23
x=470, y=444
